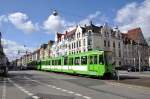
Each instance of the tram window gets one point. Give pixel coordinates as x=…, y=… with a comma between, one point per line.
x=70, y=61
x=83, y=60
x=56, y=62
x=101, y=61
x=59, y=62
x=77, y=60
x=95, y=59
x=46, y=62
x=91, y=59
x=49, y=62
x=65, y=60
x=53, y=62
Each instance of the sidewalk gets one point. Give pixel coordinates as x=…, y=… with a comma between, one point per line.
x=134, y=74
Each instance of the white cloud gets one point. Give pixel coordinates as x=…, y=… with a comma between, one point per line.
x=58, y=24
x=135, y=15
x=90, y=18
x=54, y=24
x=3, y=18
x=22, y=22
x=11, y=49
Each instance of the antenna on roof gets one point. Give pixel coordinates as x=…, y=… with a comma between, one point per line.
x=91, y=22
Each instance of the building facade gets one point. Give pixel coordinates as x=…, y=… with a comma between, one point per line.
x=135, y=48
x=82, y=39
x=128, y=48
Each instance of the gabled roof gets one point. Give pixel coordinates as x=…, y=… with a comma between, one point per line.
x=50, y=42
x=70, y=33
x=134, y=34
x=94, y=28
x=44, y=46
x=59, y=35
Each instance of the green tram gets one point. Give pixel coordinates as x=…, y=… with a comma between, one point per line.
x=96, y=63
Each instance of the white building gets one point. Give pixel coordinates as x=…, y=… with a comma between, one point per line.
x=88, y=38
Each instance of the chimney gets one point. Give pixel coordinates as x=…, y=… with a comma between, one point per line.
x=66, y=32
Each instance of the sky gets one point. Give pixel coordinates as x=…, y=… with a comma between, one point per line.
x=26, y=24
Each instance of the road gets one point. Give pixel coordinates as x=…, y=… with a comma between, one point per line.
x=48, y=85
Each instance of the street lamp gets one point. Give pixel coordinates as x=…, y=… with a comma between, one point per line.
x=139, y=56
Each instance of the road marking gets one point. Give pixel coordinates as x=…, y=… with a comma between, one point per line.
x=35, y=97
x=77, y=94
x=53, y=86
x=58, y=88
x=64, y=90
x=4, y=89
x=86, y=97
x=23, y=89
x=61, y=89
x=70, y=92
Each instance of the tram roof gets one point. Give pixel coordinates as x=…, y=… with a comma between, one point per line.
x=76, y=55
x=86, y=53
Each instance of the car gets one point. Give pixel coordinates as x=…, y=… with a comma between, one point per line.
x=131, y=69
x=148, y=69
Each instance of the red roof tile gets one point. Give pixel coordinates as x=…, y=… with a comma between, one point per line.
x=70, y=32
x=134, y=34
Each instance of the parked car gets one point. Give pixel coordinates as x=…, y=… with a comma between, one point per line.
x=148, y=69
x=123, y=67
x=145, y=68
x=133, y=69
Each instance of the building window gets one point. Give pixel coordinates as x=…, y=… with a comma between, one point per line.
x=89, y=33
x=90, y=42
x=119, y=63
x=74, y=45
x=105, y=34
x=84, y=42
x=108, y=43
x=118, y=44
x=114, y=44
x=105, y=43
x=79, y=43
x=119, y=53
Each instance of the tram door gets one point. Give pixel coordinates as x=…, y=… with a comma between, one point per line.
x=108, y=60
x=92, y=61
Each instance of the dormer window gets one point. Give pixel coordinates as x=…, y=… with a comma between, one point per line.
x=118, y=35
x=105, y=34
x=90, y=32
